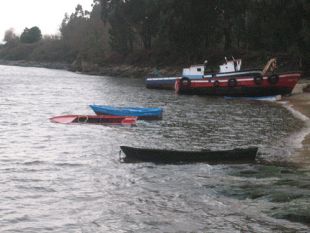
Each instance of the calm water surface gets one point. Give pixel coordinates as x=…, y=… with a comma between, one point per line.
x=68, y=178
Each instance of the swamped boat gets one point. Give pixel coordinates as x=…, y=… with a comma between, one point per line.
x=231, y=81
x=237, y=155
x=90, y=119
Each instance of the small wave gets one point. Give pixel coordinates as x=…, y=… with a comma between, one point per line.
x=23, y=218
x=35, y=162
x=296, y=113
x=298, y=137
x=36, y=188
x=69, y=164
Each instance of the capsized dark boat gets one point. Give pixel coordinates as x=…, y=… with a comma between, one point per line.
x=93, y=119
x=237, y=155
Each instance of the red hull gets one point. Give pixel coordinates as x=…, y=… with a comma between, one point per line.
x=251, y=85
x=68, y=119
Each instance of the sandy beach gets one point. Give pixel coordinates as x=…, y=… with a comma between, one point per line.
x=300, y=101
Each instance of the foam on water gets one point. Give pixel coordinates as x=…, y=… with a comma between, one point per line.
x=298, y=137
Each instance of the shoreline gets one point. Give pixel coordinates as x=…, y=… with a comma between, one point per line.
x=299, y=104
x=118, y=70
x=35, y=64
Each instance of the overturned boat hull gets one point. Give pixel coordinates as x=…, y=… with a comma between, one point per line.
x=238, y=155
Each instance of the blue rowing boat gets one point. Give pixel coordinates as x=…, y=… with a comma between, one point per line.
x=141, y=113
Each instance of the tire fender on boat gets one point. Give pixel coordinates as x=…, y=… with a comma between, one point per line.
x=273, y=79
x=185, y=82
x=177, y=85
x=216, y=83
x=258, y=79
x=232, y=82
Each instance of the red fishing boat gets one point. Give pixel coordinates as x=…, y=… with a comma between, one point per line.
x=94, y=119
x=240, y=83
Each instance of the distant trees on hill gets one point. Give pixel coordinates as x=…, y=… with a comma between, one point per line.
x=189, y=28
x=10, y=36
x=164, y=32
x=85, y=35
x=31, y=35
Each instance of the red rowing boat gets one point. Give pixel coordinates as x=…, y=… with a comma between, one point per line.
x=93, y=119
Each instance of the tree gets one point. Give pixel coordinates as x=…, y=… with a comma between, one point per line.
x=31, y=35
x=10, y=36
x=84, y=34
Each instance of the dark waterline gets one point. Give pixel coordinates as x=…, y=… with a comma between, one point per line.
x=67, y=178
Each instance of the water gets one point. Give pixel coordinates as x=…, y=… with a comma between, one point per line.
x=68, y=178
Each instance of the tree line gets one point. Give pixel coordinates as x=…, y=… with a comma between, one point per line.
x=167, y=32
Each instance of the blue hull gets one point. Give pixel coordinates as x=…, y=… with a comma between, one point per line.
x=141, y=113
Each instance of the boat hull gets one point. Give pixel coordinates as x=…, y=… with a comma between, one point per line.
x=140, y=113
x=238, y=155
x=166, y=83
x=240, y=86
x=90, y=119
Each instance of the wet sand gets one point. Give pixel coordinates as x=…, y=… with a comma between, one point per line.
x=300, y=101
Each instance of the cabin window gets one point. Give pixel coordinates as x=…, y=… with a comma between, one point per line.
x=199, y=69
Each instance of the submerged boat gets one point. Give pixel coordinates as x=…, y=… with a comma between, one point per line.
x=231, y=81
x=140, y=113
x=68, y=119
x=238, y=155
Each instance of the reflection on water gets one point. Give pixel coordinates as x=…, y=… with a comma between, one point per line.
x=67, y=178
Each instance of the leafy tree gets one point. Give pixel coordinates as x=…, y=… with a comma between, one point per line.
x=31, y=35
x=85, y=35
x=176, y=31
x=10, y=36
